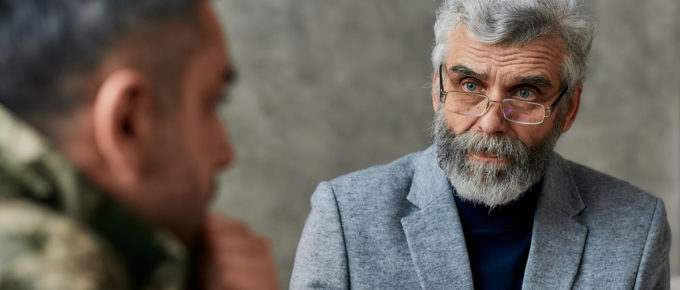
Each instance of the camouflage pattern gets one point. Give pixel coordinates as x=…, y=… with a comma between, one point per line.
x=60, y=231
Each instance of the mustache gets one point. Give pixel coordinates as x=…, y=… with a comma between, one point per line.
x=511, y=149
x=458, y=146
x=500, y=145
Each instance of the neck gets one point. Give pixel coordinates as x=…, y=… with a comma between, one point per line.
x=81, y=151
x=508, y=215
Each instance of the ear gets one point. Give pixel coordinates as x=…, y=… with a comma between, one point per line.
x=435, y=90
x=572, y=110
x=122, y=124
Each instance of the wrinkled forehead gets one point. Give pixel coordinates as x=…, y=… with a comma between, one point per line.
x=543, y=56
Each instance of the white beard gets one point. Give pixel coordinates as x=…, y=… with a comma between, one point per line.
x=487, y=183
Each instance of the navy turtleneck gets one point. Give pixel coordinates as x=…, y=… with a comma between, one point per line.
x=498, y=240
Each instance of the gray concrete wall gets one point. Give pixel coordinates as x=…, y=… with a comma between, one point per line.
x=329, y=87
x=628, y=125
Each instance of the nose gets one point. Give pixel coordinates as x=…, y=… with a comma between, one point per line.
x=492, y=121
x=224, y=153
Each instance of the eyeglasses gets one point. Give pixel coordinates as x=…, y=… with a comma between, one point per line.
x=475, y=105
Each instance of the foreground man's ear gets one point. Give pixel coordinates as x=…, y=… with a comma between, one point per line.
x=572, y=110
x=122, y=124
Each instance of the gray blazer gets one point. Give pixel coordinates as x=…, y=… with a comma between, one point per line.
x=396, y=226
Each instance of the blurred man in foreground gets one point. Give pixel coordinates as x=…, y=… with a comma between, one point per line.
x=109, y=146
x=490, y=205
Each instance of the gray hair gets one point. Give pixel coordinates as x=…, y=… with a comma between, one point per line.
x=517, y=22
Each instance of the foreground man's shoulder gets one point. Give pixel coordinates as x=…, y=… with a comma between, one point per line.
x=42, y=249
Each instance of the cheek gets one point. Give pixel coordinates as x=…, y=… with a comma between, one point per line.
x=459, y=124
x=188, y=136
x=207, y=132
x=531, y=135
x=198, y=129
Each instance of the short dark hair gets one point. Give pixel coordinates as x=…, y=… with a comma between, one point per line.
x=44, y=43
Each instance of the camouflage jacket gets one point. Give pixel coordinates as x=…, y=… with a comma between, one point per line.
x=59, y=231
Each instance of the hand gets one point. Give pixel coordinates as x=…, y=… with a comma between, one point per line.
x=234, y=257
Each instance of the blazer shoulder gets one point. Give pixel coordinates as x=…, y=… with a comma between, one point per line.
x=605, y=195
x=625, y=223
x=591, y=180
x=387, y=182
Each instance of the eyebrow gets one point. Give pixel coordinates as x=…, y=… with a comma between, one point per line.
x=537, y=80
x=229, y=76
x=468, y=72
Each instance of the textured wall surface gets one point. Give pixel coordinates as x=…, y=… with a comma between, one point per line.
x=628, y=125
x=329, y=87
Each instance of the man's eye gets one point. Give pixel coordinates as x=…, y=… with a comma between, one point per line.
x=225, y=99
x=470, y=86
x=524, y=94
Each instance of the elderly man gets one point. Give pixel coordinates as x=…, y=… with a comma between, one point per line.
x=109, y=146
x=490, y=205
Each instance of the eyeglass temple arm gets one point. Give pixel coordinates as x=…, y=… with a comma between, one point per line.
x=557, y=101
x=442, y=93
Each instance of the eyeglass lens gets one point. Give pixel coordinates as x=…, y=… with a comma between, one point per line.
x=469, y=104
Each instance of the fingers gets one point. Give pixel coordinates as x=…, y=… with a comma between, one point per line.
x=236, y=257
x=217, y=223
x=243, y=245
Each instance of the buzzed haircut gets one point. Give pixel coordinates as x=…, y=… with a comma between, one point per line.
x=45, y=44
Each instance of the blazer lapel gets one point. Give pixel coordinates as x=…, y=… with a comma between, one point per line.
x=558, y=239
x=433, y=230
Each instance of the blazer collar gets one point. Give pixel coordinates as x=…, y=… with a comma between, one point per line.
x=435, y=236
x=558, y=238
x=429, y=181
x=433, y=229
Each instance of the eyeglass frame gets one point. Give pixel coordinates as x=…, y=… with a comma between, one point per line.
x=547, y=114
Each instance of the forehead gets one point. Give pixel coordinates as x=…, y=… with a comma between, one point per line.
x=214, y=41
x=206, y=69
x=541, y=57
